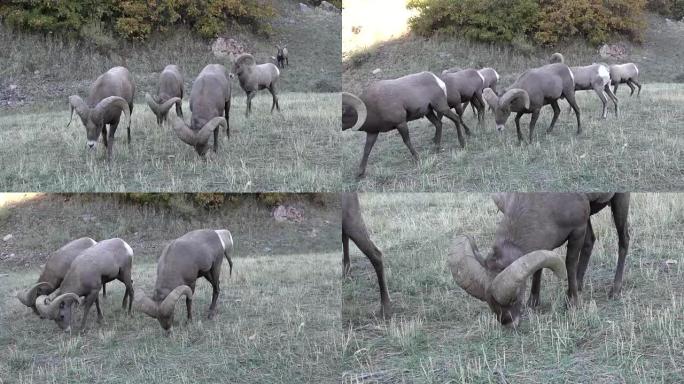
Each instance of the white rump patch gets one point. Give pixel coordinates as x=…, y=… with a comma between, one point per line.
x=604, y=74
x=497, y=74
x=277, y=70
x=220, y=233
x=440, y=83
x=636, y=69
x=129, y=250
x=481, y=77
x=571, y=75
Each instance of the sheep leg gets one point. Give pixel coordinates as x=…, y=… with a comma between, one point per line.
x=179, y=109
x=573, y=103
x=99, y=311
x=370, y=141
x=575, y=242
x=110, y=147
x=346, y=263
x=250, y=96
x=478, y=103
x=275, y=98
x=533, y=300
x=556, y=113
x=585, y=255
x=638, y=85
x=188, y=308
x=459, y=112
x=216, y=139
x=437, y=122
x=227, y=116
x=457, y=123
x=88, y=302
x=631, y=87
x=599, y=93
x=404, y=132
x=104, y=289
x=213, y=278
x=615, y=88
x=129, y=293
x=619, y=205
x=612, y=97
x=533, y=121
x=517, y=127
x=104, y=135
x=374, y=255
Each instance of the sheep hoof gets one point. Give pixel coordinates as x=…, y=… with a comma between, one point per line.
x=533, y=301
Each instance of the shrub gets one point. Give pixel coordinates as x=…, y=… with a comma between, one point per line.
x=137, y=19
x=668, y=8
x=545, y=22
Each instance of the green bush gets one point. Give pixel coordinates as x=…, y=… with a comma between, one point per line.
x=668, y=8
x=545, y=22
x=137, y=19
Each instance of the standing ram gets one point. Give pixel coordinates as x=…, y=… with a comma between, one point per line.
x=110, y=94
x=253, y=78
x=534, y=89
x=282, y=56
x=103, y=262
x=465, y=86
x=209, y=103
x=170, y=87
x=533, y=225
x=196, y=254
x=592, y=77
x=354, y=228
x=625, y=74
x=386, y=105
x=56, y=267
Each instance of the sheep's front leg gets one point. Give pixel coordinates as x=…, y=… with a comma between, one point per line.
x=104, y=135
x=110, y=147
x=88, y=302
x=250, y=96
x=216, y=139
x=179, y=109
x=585, y=255
x=370, y=142
x=99, y=310
x=404, y=132
x=129, y=122
x=346, y=262
x=227, y=116
x=575, y=242
x=275, y=98
x=556, y=113
x=517, y=127
x=533, y=122
x=533, y=300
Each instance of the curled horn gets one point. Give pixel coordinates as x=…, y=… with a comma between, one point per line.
x=160, y=109
x=110, y=102
x=512, y=95
x=48, y=308
x=166, y=306
x=491, y=98
x=147, y=306
x=28, y=297
x=245, y=57
x=557, y=58
x=467, y=269
x=183, y=131
x=506, y=284
x=358, y=105
x=80, y=106
x=203, y=135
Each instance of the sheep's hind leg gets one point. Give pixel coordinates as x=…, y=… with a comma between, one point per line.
x=638, y=85
x=533, y=122
x=619, y=205
x=573, y=103
x=346, y=262
x=556, y=113
x=575, y=243
x=458, y=122
x=404, y=132
x=612, y=97
x=250, y=96
x=213, y=277
x=585, y=255
x=374, y=255
x=129, y=122
x=216, y=139
x=437, y=122
x=370, y=141
x=227, y=116
x=599, y=92
x=631, y=87
x=533, y=300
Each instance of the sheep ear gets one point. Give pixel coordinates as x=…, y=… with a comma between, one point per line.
x=183, y=131
x=491, y=98
x=517, y=97
x=80, y=107
x=208, y=128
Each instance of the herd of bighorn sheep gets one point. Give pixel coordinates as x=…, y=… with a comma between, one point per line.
x=74, y=274
x=113, y=93
x=533, y=225
x=385, y=105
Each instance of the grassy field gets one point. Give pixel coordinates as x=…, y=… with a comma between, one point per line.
x=290, y=151
x=278, y=318
x=642, y=150
x=440, y=334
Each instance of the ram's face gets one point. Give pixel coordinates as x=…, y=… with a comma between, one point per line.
x=63, y=317
x=166, y=322
x=93, y=129
x=501, y=115
x=202, y=149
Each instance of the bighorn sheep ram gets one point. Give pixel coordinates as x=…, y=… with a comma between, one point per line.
x=490, y=75
x=533, y=225
x=55, y=269
x=465, y=86
x=110, y=94
x=390, y=104
x=255, y=77
x=625, y=73
x=170, y=86
x=209, y=103
x=596, y=77
x=354, y=228
x=281, y=56
x=196, y=254
x=103, y=262
x=530, y=92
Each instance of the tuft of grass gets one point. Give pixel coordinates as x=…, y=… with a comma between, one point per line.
x=455, y=338
x=639, y=151
x=278, y=320
x=295, y=150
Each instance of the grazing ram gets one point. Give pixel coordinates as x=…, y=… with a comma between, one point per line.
x=354, y=228
x=254, y=78
x=210, y=107
x=530, y=92
x=110, y=94
x=390, y=104
x=196, y=254
x=170, y=87
x=533, y=225
x=103, y=262
x=55, y=269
